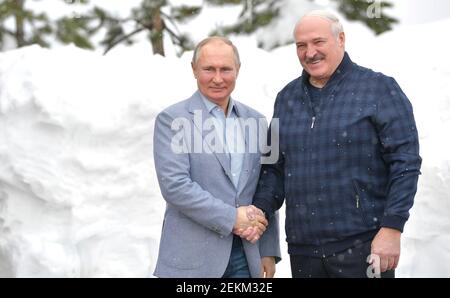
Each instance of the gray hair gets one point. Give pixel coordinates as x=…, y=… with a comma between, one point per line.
x=216, y=38
x=336, y=25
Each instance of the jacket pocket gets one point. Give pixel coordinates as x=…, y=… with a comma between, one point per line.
x=183, y=243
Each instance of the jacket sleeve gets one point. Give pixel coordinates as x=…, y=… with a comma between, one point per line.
x=269, y=244
x=398, y=135
x=270, y=192
x=177, y=187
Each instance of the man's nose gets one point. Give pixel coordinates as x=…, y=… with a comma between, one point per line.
x=310, y=52
x=217, y=77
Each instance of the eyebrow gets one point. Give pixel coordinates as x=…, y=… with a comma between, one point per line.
x=213, y=67
x=314, y=39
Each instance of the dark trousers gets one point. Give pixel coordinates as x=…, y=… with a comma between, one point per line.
x=350, y=263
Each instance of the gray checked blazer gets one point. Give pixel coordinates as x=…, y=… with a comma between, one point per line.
x=201, y=200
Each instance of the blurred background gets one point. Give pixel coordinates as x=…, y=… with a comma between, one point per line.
x=175, y=26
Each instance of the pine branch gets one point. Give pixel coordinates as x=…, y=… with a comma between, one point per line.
x=123, y=38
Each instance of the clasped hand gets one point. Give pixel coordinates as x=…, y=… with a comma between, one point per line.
x=250, y=223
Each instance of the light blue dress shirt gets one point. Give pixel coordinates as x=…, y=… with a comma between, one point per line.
x=233, y=138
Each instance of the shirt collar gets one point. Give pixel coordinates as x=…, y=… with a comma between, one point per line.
x=211, y=105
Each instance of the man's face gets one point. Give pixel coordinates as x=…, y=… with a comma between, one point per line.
x=319, y=51
x=216, y=71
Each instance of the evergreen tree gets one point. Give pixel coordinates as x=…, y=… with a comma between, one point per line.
x=36, y=28
x=368, y=12
x=157, y=18
x=254, y=14
x=259, y=13
x=15, y=10
x=149, y=17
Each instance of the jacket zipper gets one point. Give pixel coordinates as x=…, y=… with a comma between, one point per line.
x=357, y=197
x=313, y=117
x=311, y=141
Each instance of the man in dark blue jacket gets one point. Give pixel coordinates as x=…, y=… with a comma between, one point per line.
x=349, y=161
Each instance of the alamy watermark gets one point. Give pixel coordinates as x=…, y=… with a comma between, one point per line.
x=374, y=9
x=374, y=269
x=240, y=135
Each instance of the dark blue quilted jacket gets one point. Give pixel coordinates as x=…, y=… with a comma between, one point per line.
x=348, y=168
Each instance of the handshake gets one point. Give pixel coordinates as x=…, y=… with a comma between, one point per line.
x=250, y=223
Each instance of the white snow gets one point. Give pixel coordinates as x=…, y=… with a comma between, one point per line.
x=78, y=192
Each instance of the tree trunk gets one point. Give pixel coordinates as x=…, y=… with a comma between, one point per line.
x=19, y=16
x=157, y=31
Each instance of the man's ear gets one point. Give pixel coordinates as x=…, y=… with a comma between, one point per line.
x=341, y=39
x=193, y=69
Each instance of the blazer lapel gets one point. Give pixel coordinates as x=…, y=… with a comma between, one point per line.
x=196, y=108
x=247, y=164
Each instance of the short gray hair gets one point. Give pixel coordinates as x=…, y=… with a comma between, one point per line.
x=336, y=25
x=216, y=38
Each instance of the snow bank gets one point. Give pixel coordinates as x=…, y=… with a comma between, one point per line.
x=76, y=174
x=78, y=192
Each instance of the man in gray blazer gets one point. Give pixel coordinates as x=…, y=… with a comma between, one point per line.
x=209, y=229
